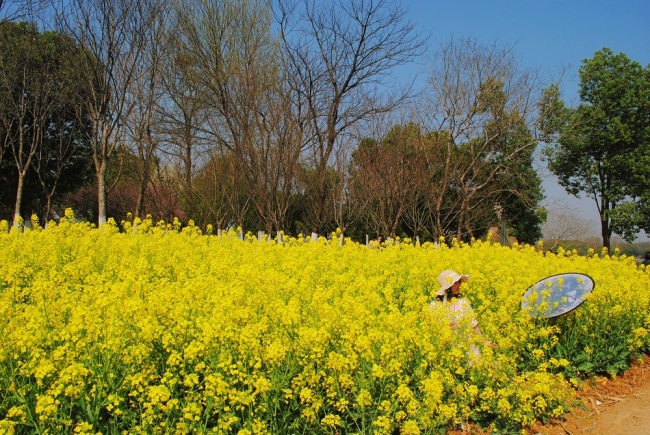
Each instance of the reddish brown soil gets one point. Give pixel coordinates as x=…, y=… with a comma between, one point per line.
x=618, y=406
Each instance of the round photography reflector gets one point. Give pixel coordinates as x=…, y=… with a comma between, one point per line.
x=557, y=294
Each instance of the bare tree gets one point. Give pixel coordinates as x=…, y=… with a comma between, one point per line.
x=564, y=227
x=339, y=55
x=213, y=192
x=213, y=52
x=162, y=200
x=182, y=116
x=482, y=104
x=145, y=93
x=383, y=173
x=277, y=159
x=113, y=34
x=345, y=207
x=17, y=10
x=229, y=48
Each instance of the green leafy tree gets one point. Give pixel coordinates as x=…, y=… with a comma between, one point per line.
x=600, y=148
x=39, y=130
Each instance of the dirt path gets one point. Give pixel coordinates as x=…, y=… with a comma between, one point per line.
x=619, y=406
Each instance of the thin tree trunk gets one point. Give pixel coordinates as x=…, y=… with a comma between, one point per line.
x=48, y=208
x=101, y=194
x=144, y=182
x=19, y=197
x=139, y=207
x=606, y=232
x=188, y=171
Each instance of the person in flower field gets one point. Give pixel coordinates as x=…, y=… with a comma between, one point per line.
x=459, y=310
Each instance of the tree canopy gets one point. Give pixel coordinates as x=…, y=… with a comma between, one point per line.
x=396, y=183
x=275, y=116
x=43, y=151
x=602, y=147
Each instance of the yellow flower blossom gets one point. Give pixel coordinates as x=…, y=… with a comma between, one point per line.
x=165, y=330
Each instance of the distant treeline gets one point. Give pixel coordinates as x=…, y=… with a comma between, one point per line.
x=283, y=117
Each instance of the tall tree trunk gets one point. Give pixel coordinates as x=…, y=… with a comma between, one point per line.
x=605, y=231
x=101, y=193
x=144, y=182
x=188, y=171
x=48, y=210
x=139, y=206
x=604, y=209
x=19, y=197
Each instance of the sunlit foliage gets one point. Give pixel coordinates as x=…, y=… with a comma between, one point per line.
x=158, y=329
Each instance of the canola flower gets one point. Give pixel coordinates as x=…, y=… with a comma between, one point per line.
x=158, y=329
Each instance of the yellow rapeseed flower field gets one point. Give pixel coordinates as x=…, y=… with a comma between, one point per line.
x=157, y=329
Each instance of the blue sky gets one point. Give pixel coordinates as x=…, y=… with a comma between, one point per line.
x=549, y=34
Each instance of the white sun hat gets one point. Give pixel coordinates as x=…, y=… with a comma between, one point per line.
x=448, y=278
